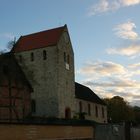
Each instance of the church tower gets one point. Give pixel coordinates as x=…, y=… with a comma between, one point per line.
x=47, y=59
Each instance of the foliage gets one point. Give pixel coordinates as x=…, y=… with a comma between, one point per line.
x=80, y=115
x=119, y=110
x=137, y=114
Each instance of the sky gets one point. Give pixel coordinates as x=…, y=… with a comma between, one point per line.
x=105, y=35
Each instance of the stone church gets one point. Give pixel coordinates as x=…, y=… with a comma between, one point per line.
x=47, y=59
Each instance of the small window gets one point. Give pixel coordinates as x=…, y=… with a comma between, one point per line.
x=32, y=56
x=96, y=111
x=44, y=55
x=80, y=106
x=89, y=110
x=103, y=112
x=64, y=57
x=33, y=103
x=68, y=59
x=20, y=58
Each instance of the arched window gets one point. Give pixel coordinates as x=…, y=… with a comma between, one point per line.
x=89, y=110
x=67, y=113
x=44, y=55
x=103, y=112
x=68, y=59
x=33, y=105
x=32, y=56
x=64, y=56
x=96, y=111
x=80, y=107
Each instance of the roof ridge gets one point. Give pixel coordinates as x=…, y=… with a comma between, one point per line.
x=40, y=39
x=51, y=29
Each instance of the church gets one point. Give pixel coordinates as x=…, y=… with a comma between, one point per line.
x=47, y=61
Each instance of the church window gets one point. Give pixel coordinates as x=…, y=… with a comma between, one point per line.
x=64, y=56
x=80, y=106
x=32, y=56
x=44, y=55
x=96, y=111
x=68, y=59
x=89, y=110
x=103, y=112
x=33, y=105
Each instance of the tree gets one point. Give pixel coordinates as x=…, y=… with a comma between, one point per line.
x=9, y=46
x=137, y=114
x=119, y=110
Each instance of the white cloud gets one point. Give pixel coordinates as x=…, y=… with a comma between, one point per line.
x=110, y=5
x=102, y=68
x=126, y=31
x=108, y=79
x=131, y=50
x=128, y=89
x=103, y=6
x=135, y=66
x=129, y=2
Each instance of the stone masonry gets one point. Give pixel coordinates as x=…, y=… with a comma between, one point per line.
x=52, y=79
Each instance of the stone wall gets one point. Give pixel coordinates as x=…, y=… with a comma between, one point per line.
x=45, y=132
x=109, y=132
x=92, y=116
x=42, y=75
x=52, y=79
x=66, y=78
x=135, y=133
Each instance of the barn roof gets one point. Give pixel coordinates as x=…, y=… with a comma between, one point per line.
x=85, y=93
x=38, y=40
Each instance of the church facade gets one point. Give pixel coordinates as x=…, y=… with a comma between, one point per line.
x=47, y=59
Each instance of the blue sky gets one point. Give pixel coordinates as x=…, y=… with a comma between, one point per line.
x=105, y=35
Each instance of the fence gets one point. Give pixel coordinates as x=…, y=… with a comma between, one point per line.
x=109, y=132
x=135, y=133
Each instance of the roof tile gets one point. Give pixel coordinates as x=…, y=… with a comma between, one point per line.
x=38, y=40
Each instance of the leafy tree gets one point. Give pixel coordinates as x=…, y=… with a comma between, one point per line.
x=137, y=114
x=119, y=110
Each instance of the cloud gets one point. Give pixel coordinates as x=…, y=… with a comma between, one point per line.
x=103, y=6
x=108, y=79
x=126, y=30
x=126, y=89
x=102, y=68
x=135, y=66
x=129, y=2
x=116, y=82
x=110, y=5
x=131, y=50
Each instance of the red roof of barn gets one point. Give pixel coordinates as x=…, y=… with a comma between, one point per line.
x=38, y=40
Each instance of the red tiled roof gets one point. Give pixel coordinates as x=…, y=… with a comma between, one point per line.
x=38, y=40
